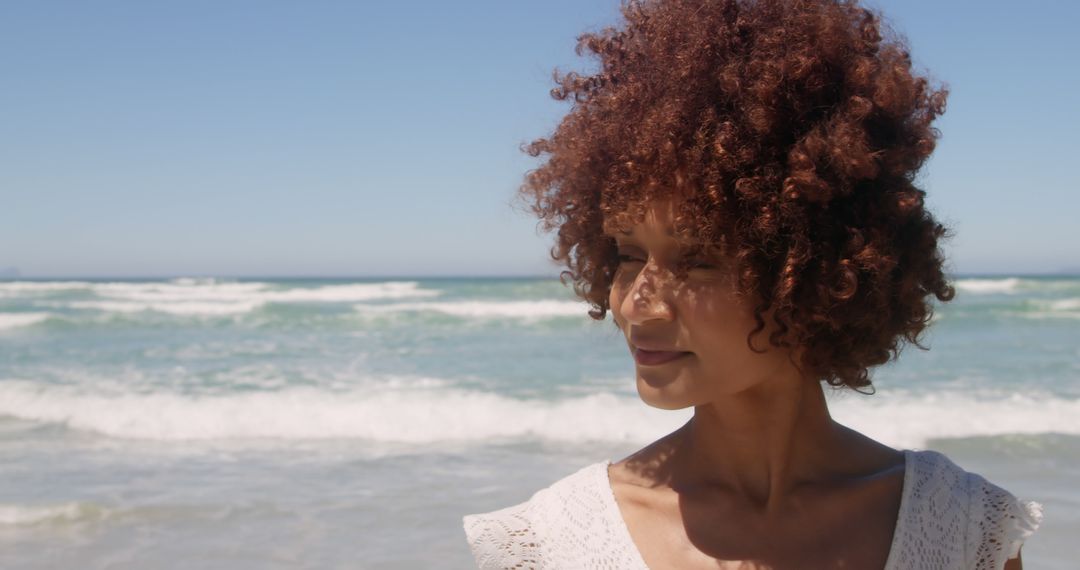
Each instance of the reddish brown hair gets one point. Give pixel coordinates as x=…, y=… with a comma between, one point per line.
x=795, y=129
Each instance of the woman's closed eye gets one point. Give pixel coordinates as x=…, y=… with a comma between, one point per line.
x=696, y=263
x=702, y=264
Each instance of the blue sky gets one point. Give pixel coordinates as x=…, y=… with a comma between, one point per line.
x=241, y=138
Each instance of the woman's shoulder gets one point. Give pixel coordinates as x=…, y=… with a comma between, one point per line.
x=960, y=515
x=564, y=525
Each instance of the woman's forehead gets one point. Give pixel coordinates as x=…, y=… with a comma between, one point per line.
x=655, y=217
x=655, y=222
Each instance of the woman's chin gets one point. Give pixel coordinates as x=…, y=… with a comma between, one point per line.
x=662, y=397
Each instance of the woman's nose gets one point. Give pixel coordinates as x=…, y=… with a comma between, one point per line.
x=646, y=299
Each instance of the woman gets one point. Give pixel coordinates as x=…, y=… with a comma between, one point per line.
x=735, y=184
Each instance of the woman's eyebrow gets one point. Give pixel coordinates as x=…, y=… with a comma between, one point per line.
x=669, y=232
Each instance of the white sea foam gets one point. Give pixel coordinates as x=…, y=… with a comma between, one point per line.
x=212, y=298
x=193, y=291
x=528, y=310
x=911, y=421
x=14, y=320
x=176, y=308
x=352, y=292
x=14, y=516
x=439, y=413
x=1040, y=309
x=986, y=286
x=410, y=416
x=35, y=515
x=1065, y=305
x=162, y=292
x=20, y=288
x=1040, y=315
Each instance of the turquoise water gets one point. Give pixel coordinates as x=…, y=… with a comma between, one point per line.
x=350, y=423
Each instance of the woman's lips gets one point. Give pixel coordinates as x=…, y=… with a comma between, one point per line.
x=654, y=357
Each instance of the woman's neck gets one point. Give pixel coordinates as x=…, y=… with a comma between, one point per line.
x=760, y=444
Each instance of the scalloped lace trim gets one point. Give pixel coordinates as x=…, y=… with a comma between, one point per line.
x=949, y=520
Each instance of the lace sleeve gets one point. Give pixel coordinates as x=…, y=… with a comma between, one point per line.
x=1000, y=523
x=574, y=523
x=503, y=539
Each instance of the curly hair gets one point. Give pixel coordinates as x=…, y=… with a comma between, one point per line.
x=795, y=130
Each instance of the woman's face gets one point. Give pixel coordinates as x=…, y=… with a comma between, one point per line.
x=688, y=337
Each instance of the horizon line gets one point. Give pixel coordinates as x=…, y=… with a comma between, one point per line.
x=272, y=277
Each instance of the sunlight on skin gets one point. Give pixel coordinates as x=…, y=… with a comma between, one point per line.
x=761, y=446
x=765, y=432
x=703, y=315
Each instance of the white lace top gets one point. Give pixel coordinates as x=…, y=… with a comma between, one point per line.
x=949, y=519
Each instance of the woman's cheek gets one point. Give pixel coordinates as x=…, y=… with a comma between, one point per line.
x=615, y=298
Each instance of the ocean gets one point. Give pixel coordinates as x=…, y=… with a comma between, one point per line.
x=350, y=423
